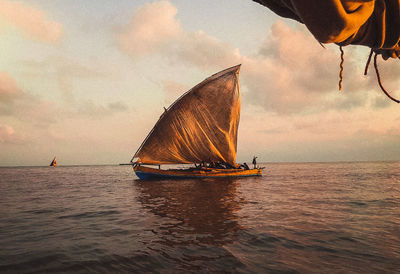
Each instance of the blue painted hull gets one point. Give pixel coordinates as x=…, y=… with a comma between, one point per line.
x=146, y=173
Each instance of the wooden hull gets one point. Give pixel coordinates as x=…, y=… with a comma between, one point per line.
x=148, y=173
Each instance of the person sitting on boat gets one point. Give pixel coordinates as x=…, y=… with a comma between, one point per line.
x=245, y=166
x=255, y=161
x=220, y=165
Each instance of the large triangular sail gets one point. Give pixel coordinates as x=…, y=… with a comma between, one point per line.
x=54, y=162
x=200, y=126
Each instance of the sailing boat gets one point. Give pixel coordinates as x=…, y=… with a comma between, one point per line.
x=199, y=128
x=54, y=162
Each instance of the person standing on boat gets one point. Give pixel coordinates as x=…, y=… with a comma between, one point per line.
x=254, y=161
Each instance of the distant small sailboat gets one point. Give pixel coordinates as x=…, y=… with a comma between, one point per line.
x=199, y=128
x=54, y=162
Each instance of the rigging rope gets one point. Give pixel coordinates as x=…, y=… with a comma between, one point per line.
x=368, y=61
x=341, y=67
x=366, y=72
x=379, y=81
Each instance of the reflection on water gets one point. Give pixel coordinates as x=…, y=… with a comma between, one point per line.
x=204, y=209
x=307, y=218
x=198, y=217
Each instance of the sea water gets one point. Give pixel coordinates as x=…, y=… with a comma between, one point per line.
x=307, y=218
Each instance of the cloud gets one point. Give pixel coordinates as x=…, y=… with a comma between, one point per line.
x=173, y=90
x=41, y=113
x=7, y=134
x=9, y=91
x=389, y=71
x=333, y=135
x=154, y=28
x=203, y=51
x=117, y=107
x=22, y=105
x=66, y=72
x=32, y=22
x=10, y=94
x=92, y=110
x=291, y=73
x=151, y=26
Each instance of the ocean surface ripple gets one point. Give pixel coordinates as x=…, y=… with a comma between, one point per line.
x=297, y=218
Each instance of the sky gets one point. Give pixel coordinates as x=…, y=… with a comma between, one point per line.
x=86, y=81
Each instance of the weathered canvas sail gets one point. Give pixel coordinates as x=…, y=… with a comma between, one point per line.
x=200, y=126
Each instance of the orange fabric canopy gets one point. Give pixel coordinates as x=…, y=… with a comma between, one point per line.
x=372, y=23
